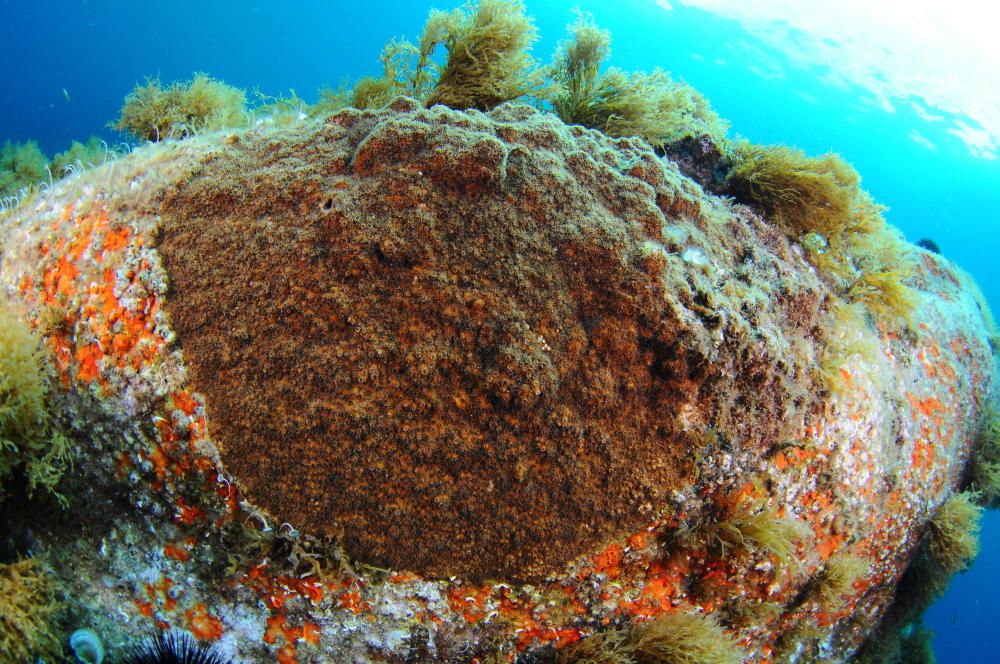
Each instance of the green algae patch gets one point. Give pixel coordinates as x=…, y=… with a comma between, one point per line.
x=79, y=156
x=949, y=545
x=953, y=537
x=984, y=465
x=487, y=60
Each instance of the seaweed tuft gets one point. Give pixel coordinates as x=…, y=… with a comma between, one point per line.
x=29, y=442
x=28, y=605
x=819, y=203
x=79, y=155
x=652, y=106
x=949, y=546
x=21, y=165
x=488, y=61
x=760, y=531
x=837, y=579
x=808, y=194
x=953, y=535
x=984, y=462
x=153, y=112
x=672, y=638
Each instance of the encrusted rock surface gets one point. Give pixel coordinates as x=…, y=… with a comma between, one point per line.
x=428, y=384
x=450, y=337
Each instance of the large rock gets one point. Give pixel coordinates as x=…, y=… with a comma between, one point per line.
x=425, y=384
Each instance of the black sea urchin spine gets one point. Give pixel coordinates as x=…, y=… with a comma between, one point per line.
x=170, y=648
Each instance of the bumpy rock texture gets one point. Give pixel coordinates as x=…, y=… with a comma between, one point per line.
x=427, y=385
x=457, y=339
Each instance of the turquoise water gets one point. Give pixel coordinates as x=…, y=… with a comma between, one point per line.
x=922, y=148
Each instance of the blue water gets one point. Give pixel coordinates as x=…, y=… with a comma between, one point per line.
x=97, y=50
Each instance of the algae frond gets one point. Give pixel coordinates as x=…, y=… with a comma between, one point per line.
x=652, y=106
x=819, y=202
x=760, y=531
x=153, y=112
x=810, y=194
x=21, y=165
x=371, y=92
x=28, y=440
x=28, y=604
x=953, y=534
x=79, y=155
x=282, y=110
x=407, y=69
x=673, y=638
x=745, y=612
x=984, y=463
x=837, y=579
x=488, y=61
x=950, y=545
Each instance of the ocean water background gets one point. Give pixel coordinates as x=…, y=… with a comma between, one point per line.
x=905, y=91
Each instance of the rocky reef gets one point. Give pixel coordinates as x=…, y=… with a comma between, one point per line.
x=421, y=384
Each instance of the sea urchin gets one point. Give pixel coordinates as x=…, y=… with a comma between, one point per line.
x=170, y=648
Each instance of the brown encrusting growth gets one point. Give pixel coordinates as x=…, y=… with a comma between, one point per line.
x=449, y=337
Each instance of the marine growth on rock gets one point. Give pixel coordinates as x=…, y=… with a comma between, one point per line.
x=416, y=384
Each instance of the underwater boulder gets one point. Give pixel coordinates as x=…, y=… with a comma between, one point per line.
x=430, y=385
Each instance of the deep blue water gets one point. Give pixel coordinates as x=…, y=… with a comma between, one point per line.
x=97, y=50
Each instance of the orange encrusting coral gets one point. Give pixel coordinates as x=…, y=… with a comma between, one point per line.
x=202, y=623
x=279, y=630
x=73, y=280
x=165, y=603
